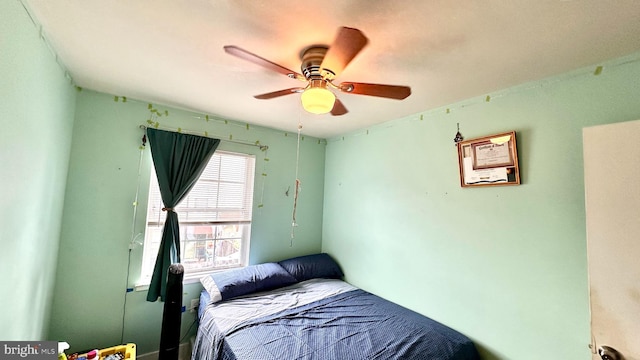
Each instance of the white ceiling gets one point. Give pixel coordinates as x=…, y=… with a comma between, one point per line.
x=171, y=51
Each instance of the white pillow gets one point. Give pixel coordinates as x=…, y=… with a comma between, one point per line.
x=210, y=285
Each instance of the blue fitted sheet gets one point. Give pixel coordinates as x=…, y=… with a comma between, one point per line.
x=336, y=322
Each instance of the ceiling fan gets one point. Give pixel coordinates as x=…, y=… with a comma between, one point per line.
x=321, y=64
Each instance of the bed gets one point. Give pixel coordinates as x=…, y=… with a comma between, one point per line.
x=301, y=309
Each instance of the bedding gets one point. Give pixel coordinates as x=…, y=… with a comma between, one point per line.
x=321, y=319
x=251, y=279
x=312, y=267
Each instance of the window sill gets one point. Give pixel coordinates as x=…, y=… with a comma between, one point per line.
x=191, y=279
x=188, y=279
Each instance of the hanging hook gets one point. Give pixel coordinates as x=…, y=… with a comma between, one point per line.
x=458, y=136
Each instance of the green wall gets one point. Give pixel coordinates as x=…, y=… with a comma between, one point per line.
x=36, y=117
x=89, y=302
x=507, y=265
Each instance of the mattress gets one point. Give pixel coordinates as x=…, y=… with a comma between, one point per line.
x=321, y=319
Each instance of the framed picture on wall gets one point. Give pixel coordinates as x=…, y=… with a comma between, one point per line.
x=489, y=161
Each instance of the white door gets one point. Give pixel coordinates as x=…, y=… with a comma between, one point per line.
x=612, y=192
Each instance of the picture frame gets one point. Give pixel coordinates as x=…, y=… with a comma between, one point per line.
x=489, y=161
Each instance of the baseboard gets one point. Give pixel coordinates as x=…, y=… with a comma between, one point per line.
x=184, y=353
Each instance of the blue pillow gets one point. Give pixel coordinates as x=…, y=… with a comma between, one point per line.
x=233, y=283
x=312, y=266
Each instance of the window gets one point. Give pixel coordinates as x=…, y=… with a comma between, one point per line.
x=215, y=218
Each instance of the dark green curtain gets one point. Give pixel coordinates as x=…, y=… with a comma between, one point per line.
x=179, y=159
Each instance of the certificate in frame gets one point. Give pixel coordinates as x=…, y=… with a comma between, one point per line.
x=489, y=161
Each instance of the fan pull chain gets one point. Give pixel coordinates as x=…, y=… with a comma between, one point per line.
x=294, y=224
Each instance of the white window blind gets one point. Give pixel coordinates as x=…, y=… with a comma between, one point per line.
x=215, y=217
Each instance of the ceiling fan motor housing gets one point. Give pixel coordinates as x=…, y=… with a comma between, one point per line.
x=312, y=57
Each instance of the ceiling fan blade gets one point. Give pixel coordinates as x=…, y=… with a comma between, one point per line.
x=278, y=93
x=345, y=47
x=380, y=90
x=246, y=55
x=338, y=108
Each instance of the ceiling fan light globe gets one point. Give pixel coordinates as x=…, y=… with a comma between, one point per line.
x=318, y=100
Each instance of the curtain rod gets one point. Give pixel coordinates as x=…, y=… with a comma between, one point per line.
x=199, y=133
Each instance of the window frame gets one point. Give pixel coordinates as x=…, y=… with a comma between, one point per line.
x=154, y=228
